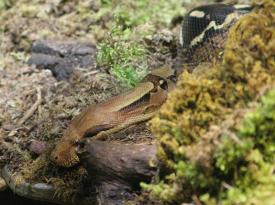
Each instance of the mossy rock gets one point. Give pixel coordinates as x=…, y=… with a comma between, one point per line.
x=200, y=129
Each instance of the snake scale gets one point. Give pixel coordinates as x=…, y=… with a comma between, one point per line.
x=202, y=37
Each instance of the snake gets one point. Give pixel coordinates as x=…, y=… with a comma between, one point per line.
x=119, y=112
x=202, y=38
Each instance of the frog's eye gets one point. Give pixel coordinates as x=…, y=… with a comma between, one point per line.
x=163, y=84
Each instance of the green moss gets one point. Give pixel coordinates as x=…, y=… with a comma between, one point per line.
x=123, y=50
x=210, y=157
x=252, y=159
x=121, y=57
x=6, y=4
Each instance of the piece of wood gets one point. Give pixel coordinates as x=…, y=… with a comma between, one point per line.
x=33, y=108
x=117, y=169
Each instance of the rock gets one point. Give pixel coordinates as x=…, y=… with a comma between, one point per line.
x=37, y=147
x=60, y=67
x=61, y=57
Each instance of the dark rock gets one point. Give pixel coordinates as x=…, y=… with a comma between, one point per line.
x=63, y=48
x=60, y=67
x=45, y=61
x=37, y=147
x=61, y=57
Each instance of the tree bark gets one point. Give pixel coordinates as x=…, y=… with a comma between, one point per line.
x=117, y=168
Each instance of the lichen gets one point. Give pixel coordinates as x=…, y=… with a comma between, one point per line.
x=209, y=157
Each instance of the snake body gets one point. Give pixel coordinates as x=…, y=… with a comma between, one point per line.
x=204, y=31
x=119, y=112
x=202, y=38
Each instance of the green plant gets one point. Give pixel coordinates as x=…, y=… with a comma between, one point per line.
x=120, y=55
x=123, y=50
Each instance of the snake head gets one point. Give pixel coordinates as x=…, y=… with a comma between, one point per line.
x=64, y=154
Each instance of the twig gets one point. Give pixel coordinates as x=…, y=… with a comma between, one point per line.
x=93, y=72
x=34, y=107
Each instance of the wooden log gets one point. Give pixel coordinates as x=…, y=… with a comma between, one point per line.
x=117, y=169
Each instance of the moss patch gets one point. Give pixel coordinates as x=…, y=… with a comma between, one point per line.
x=209, y=157
x=124, y=51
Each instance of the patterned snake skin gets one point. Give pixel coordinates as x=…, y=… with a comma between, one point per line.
x=204, y=31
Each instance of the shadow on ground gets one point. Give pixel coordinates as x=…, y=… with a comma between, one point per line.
x=9, y=198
